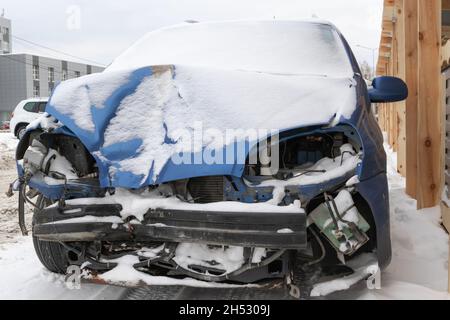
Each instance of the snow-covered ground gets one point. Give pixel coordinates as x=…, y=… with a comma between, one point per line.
x=9, y=228
x=419, y=267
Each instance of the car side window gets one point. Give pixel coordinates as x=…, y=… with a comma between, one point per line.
x=42, y=106
x=31, y=107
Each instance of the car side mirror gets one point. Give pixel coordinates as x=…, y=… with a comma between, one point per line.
x=388, y=89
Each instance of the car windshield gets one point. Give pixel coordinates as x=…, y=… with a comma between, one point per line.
x=286, y=47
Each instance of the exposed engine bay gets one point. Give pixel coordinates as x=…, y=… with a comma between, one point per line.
x=304, y=222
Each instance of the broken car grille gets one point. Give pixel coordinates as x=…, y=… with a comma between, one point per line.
x=207, y=189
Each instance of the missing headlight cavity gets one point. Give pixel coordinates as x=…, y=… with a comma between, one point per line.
x=76, y=153
x=309, y=149
x=302, y=154
x=69, y=147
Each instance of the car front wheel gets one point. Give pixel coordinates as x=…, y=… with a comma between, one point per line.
x=20, y=132
x=52, y=255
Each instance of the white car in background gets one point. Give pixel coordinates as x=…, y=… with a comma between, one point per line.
x=26, y=112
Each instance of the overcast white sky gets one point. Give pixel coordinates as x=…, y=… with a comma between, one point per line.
x=108, y=27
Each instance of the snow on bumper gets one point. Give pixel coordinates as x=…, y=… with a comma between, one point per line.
x=104, y=222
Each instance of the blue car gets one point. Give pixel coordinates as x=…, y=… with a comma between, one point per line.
x=235, y=151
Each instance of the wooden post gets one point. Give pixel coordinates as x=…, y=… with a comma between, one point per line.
x=411, y=77
x=400, y=73
x=393, y=116
x=429, y=104
x=380, y=116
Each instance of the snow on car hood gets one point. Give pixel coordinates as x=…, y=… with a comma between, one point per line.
x=133, y=122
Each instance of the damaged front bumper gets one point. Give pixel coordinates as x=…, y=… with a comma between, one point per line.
x=81, y=223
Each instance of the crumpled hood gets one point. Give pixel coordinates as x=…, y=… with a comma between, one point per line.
x=134, y=122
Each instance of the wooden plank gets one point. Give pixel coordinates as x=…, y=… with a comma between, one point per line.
x=385, y=41
x=386, y=112
x=394, y=127
x=386, y=50
x=393, y=135
x=446, y=55
x=445, y=216
x=446, y=5
x=400, y=73
x=446, y=222
x=401, y=138
x=380, y=116
x=388, y=26
x=391, y=114
x=381, y=71
x=429, y=105
x=445, y=122
x=383, y=60
x=411, y=77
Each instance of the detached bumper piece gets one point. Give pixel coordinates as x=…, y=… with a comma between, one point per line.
x=246, y=229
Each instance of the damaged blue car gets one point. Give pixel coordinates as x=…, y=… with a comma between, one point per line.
x=234, y=151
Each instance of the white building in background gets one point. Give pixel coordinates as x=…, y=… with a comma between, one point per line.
x=5, y=35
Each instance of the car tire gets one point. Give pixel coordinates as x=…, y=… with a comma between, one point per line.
x=52, y=255
x=20, y=131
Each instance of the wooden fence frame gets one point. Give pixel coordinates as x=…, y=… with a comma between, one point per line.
x=412, y=34
x=411, y=48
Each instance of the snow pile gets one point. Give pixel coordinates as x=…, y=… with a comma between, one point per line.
x=8, y=142
x=420, y=243
x=90, y=219
x=126, y=274
x=8, y=145
x=9, y=228
x=289, y=47
x=327, y=169
x=137, y=204
x=344, y=203
x=44, y=121
x=76, y=101
x=364, y=266
x=258, y=255
x=227, y=258
x=60, y=164
x=145, y=110
x=23, y=277
x=151, y=252
x=285, y=231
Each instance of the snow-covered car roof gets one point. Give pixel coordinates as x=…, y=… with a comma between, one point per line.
x=273, y=46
